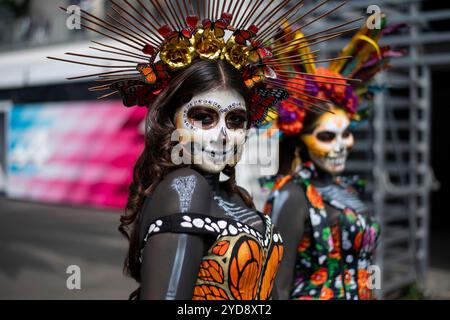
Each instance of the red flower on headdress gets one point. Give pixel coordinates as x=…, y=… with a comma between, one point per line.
x=335, y=87
x=300, y=85
x=337, y=90
x=291, y=118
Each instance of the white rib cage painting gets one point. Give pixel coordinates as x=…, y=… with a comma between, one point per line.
x=238, y=213
x=342, y=198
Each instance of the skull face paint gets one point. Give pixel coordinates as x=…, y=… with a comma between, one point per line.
x=216, y=127
x=330, y=142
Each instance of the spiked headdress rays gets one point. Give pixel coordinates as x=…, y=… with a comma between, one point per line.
x=155, y=38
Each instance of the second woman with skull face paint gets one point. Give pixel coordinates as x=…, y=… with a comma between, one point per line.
x=320, y=215
x=328, y=233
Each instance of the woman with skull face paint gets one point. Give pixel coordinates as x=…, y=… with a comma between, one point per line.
x=196, y=231
x=205, y=83
x=328, y=233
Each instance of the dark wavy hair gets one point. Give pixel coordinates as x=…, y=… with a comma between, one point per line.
x=155, y=160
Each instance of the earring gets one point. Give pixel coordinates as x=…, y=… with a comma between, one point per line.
x=297, y=161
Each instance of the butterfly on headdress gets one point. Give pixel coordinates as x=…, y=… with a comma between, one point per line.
x=257, y=74
x=218, y=26
x=241, y=36
x=190, y=36
x=264, y=101
x=153, y=72
x=147, y=71
x=135, y=92
x=167, y=33
x=191, y=22
x=258, y=53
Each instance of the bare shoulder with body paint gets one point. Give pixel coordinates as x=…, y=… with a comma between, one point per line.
x=181, y=191
x=170, y=261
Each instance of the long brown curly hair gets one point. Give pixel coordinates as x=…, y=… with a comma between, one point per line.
x=155, y=160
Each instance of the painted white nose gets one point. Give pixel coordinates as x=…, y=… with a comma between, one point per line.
x=339, y=147
x=221, y=139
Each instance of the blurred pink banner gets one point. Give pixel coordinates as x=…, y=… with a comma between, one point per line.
x=74, y=153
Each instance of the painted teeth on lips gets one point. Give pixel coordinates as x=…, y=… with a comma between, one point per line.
x=339, y=161
x=218, y=153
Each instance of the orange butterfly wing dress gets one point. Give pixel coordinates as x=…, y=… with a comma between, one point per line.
x=240, y=265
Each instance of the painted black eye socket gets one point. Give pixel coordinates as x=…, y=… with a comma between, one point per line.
x=346, y=133
x=202, y=117
x=236, y=119
x=326, y=136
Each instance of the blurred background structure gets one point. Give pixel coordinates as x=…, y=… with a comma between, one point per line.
x=66, y=159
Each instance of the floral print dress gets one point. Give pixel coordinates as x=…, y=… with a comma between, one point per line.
x=332, y=261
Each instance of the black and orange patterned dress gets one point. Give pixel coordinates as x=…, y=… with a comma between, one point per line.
x=240, y=265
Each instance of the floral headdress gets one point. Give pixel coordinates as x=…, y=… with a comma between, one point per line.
x=158, y=37
x=361, y=60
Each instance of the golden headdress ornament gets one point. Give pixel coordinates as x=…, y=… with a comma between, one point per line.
x=155, y=38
